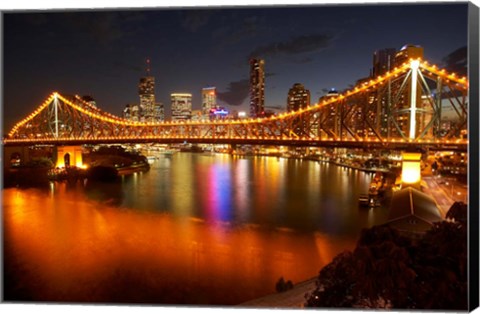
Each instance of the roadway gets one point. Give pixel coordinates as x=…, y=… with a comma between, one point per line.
x=445, y=191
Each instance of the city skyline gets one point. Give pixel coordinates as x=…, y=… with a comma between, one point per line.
x=300, y=156
x=299, y=44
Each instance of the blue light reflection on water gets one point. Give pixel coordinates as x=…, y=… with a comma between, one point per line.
x=276, y=192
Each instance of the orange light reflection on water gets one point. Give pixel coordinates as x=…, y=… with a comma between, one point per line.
x=67, y=248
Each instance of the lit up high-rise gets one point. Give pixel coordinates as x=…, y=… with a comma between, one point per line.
x=209, y=100
x=383, y=61
x=257, y=87
x=146, y=91
x=181, y=106
x=298, y=97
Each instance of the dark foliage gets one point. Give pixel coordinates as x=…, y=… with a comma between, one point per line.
x=102, y=173
x=387, y=270
x=282, y=286
x=458, y=212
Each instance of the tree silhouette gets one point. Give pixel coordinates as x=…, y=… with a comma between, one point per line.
x=387, y=270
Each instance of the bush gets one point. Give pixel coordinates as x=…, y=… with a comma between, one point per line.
x=282, y=286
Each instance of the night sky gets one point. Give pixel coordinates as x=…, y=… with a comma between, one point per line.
x=103, y=53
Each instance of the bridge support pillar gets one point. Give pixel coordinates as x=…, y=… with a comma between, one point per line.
x=69, y=156
x=411, y=170
x=16, y=155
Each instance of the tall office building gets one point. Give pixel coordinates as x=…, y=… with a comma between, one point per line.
x=209, y=100
x=257, y=87
x=158, y=112
x=181, y=106
x=408, y=52
x=298, y=97
x=383, y=61
x=146, y=91
x=132, y=112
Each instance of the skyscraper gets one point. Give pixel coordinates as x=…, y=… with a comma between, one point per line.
x=209, y=100
x=298, y=97
x=383, y=61
x=257, y=87
x=132, y=112
x=146, y=91
x=181, y=106
x=158, y=112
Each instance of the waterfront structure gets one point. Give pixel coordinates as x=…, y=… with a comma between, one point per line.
x=413, y=212
x=181, y=106
x=68, y=156
x=257, y=88
x=209, y=100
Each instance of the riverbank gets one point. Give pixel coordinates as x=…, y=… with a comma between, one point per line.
x=293, y=298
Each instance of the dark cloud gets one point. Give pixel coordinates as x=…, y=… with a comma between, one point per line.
x=456, y=61
x=193, y=20
x=98, y=28
x=296, y=45
x=236, y=92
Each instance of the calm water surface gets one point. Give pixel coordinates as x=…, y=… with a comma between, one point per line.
x=195, y=229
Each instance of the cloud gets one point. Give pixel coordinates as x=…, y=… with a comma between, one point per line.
x=296, y=45
x=97, y=28
x=236, y=92
x=456, y=61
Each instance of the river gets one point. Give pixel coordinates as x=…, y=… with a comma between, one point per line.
x=195, y=229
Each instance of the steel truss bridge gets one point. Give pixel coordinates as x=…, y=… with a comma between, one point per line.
x=403, y=109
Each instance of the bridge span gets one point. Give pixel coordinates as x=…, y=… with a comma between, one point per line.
x=401, y=110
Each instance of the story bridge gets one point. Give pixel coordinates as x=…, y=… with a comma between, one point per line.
x=401, y=110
